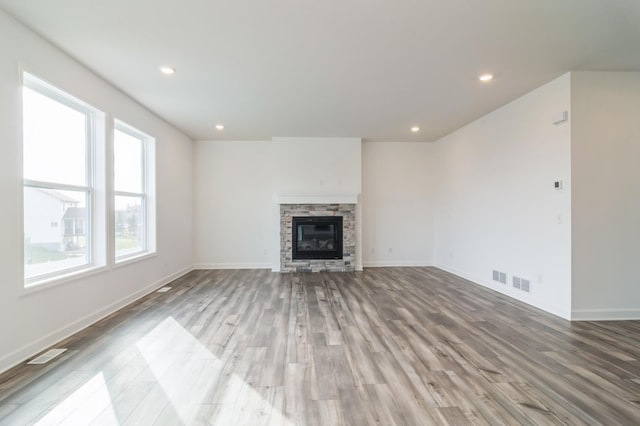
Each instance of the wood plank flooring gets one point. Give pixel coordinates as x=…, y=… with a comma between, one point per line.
x=388, y=346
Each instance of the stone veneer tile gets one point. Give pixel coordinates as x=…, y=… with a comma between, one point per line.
x=346, y=264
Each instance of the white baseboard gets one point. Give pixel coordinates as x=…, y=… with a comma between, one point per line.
x=395, y=263
x=24, y=353
x=462, y=275
x=528, y=298
x=605, y=314
x=233, y=266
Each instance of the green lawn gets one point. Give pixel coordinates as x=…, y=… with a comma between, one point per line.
x=34, y=254
x=126, y=242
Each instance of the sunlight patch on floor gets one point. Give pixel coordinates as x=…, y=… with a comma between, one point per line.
x=83, y=405
x=192, y=378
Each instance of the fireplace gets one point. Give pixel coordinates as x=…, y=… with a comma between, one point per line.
x=323, y=237
x=316, y=237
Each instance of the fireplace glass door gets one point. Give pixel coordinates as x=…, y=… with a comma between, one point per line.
x=317, y=237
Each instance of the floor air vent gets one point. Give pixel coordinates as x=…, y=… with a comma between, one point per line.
x=522, y=284
x=47, y=356
x=500, y=277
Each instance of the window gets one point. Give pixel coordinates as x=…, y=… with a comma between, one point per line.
x=133, y=192
x=66, y=196
x=59, y=143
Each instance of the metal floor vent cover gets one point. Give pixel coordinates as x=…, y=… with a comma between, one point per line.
x=163, y=289
x=47, y=356
x=522, y=284
x=517, y=283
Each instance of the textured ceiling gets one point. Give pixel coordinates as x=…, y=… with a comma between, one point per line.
x=358, y=68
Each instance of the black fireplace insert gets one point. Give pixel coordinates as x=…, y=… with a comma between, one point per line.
x=317, y=237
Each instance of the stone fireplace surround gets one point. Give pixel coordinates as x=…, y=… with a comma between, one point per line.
x=345, y=208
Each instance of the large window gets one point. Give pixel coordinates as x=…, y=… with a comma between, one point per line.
x=65, y=169
x=59, y=181
x=133, y=192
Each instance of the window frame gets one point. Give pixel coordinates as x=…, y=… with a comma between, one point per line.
x=94, y=121
x=147, y=196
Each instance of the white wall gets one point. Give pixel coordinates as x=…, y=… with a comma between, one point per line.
x=30, y=322
x=397, y=204
x=236, y=183
x=316, y=165
x=496, y=207
x=233, y=204
x=605, y=152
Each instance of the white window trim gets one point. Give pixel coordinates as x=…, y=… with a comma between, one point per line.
x=147, y=196
x=95, y=203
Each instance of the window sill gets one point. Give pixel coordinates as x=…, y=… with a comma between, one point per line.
x=137, y=257
x=36, y=286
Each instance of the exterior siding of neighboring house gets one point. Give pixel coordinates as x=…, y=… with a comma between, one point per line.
x=73, y=229
x=44, y=218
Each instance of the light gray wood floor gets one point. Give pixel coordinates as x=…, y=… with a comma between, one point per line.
x=388, y=346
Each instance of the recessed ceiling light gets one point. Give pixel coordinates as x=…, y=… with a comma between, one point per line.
x=485, y=77
x=415, y=129
x=219, y=126
x=167, y=70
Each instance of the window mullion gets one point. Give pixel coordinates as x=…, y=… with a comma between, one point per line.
x=128, y=194
x=51, y=185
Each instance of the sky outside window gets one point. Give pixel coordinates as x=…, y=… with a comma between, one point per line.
x=54, y=141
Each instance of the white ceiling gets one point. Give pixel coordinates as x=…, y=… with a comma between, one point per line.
x=357, y=68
